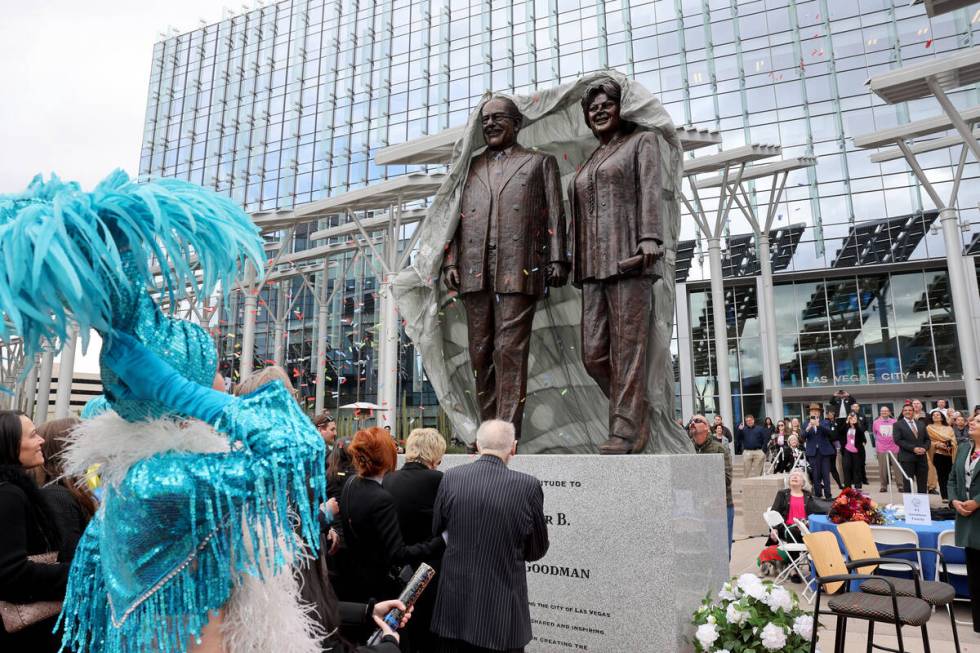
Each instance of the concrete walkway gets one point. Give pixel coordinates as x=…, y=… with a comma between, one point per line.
x=744, y=553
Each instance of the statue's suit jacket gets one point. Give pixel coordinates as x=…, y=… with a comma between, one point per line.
x=530, y=218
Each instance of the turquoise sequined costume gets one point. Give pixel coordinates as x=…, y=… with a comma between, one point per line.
x=171, y=538
x=193, y=516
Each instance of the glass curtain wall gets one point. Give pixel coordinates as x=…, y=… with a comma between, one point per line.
x=880, y=329
x=289, y=103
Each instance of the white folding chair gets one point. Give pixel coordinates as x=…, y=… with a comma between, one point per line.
x=896, y=536
x=790, y=547
x=948, y=538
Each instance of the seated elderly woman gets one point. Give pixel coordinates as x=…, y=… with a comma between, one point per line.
x=795, y=504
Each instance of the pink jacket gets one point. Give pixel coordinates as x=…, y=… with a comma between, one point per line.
x=884, y=443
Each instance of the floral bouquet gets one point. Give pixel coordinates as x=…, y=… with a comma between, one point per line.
x=751, y=614
x=853, y=505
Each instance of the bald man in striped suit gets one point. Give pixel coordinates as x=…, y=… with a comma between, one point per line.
x=493, y=519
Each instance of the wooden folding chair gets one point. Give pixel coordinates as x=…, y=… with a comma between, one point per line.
x=859, y=539
x=833, y=576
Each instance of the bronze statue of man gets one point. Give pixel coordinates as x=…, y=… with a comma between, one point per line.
x=509, y=244
x=617, y=233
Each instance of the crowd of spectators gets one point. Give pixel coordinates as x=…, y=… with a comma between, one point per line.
x=378, y=524
x=833, y=442
x=936, y=451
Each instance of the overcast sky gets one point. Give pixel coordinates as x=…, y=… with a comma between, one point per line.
x=73, y=81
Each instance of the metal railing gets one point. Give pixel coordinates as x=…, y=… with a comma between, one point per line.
x=912, y=484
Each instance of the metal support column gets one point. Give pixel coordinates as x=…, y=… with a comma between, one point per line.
x=66, y=372
x=28, y=391
x=720, y=329
x=685, y=353
x=44, y=388
x=761, y=220
x=248, y=326
x=767, y=303
x=962, y=304
x=279, y=326
x=321, y=341
x=388, y=331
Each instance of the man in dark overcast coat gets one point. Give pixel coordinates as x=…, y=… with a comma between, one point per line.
x=493, y=519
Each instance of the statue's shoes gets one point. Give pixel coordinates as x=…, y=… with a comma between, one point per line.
x=616, y=445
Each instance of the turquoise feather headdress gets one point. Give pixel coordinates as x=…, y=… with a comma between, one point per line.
x=71, y=256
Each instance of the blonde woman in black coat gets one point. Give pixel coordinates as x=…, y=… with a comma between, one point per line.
x=28, y=529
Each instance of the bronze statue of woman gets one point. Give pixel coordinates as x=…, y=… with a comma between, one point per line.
x=617, y=237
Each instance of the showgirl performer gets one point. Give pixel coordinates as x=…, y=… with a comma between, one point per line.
x=208, y=498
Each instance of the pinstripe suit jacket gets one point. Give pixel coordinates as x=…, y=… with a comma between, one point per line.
x=495, y=521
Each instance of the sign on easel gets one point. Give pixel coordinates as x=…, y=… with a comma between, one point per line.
x=917, y=509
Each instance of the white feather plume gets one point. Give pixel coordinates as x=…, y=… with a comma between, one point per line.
x=269, y=615
x=115, y=445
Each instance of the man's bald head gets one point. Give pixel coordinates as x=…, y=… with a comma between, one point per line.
x=496, y=437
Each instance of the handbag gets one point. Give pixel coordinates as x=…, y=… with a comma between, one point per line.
x=821, y=506
x=18, y=616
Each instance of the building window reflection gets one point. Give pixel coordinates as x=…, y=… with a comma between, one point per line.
x=883, y=328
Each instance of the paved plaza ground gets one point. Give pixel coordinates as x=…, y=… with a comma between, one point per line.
x=744, y=552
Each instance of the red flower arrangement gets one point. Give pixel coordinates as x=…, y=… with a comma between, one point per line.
x=853, y=505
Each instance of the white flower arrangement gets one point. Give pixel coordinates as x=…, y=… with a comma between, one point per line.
x=774, y=637
x=752, y=614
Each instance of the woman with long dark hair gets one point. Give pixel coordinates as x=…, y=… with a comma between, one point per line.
x=942, y=449
x=28, y=530
x=964, y=487
x=71, y=504
x=340, y=468
x=852, y=442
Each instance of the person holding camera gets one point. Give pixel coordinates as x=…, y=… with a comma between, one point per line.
x=820, y=453
x=751, y=439
x=853, y=452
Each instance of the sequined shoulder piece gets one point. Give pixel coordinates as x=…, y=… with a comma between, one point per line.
x=182, y=527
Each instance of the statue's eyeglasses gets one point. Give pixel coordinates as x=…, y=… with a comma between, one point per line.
x=486, y=119
x=607, y=105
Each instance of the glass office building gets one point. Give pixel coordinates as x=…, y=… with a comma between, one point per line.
x=288, y=103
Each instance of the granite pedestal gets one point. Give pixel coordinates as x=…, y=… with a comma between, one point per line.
x=758, y=493
x=636, y=544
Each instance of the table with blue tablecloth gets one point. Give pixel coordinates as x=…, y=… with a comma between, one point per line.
x=928, y=538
